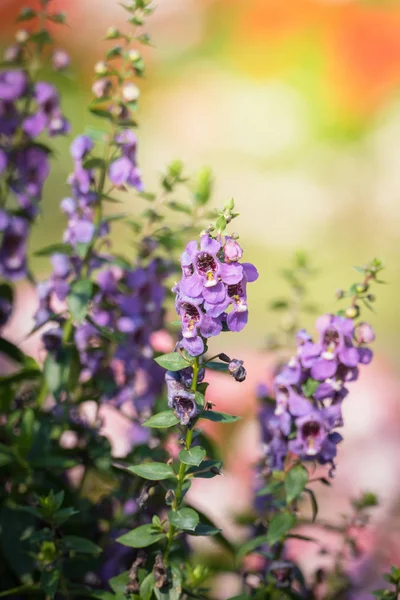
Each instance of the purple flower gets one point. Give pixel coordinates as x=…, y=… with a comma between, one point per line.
x=195, y=324
x=3, y=161
x=123, y=171
x=81, y=146
x=12, y=85
x=13, y=249
x=181, y=400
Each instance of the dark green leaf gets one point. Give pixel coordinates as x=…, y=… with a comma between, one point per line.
x=218, y=417
x=180, y=207
x=16, y=354
x=100, y=112
x=295, y=482
x=207, y=469
x=279, y=526
x=271, y=488
x=193, y=456
x=79, y=297
x=184, y=518
x=41, y=38
x=49, y=582
x=154, y=471
x=94, y=162
x=172, y=361
x=202, y=529
x=26, y=14
x=173, y=591
x=217, y=366
x=59, y=17
x=54, y=249
x=141, y=537
x=146, y=587
x=79, y=544
x=119, y=583
x=162, y=420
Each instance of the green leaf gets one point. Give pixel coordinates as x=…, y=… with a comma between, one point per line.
x=250, y=546
x=59, y=17
x=193, y=456
x=207, y=470
x=146, y=587
x=218, y=417
x=180, y=207
x=78, y=298
x=173, y=361
x=203, y=186
x=203, y=529
x=20, y=376
x=279, y=526
x=173, y=591
x=119, y=582
x=271, y=488
x=184, y=518
x=16, y=354
x=49, y=582
x=314, y=503
x=220, y=224
x=162, y=420
x=100, y=112
x=309, y=387
x=217, y=366
x=94, y=162
x=295, y=482
x=141, y=537
x=41, y=38
x=79, y=544
x=26, y=14
x=54, y=249
x=155, y=471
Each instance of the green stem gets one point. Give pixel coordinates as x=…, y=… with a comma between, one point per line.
x=182, y=469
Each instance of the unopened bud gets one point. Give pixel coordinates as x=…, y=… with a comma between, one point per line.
x=364, y=333
x=371, y=297
x=112, y=33
x=352, y=312
x=232, y=250
x=224, y=357
x=22, y=36
x=101, y=88
x=12, y=53
x=133, y=55
x=361, y=287
x=101, y=68
x=130, y=92
x=237, y=370
x=339, y=294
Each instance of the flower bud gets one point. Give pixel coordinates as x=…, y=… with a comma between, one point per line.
x=12, y=53
x=22, y=36
x=112, y=33
x=101, y=87
x=101, y=68
x=361, y=287
x=133, y=55
x=364, y=333
x=224, y=357
x=232, y=251
x=130, y=92
x=371, y=297
x=352, y=312
x=60, y=60
x=237, y=370
x=339, y=294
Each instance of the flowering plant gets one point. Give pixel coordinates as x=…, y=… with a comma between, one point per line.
x=77, y=518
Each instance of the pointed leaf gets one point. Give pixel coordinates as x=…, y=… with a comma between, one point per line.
x=162, y=420
x=279, y=526
x=218, y=417
x=193, y=456
x=185, y=518
x=154, y=471
x=141, y=537
x=78, y=298
x=295, y=482
x=173, y=361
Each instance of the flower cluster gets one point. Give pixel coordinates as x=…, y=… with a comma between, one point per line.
x=28, y=109
x=114, y=341
x=310, y=388
x=211, y=294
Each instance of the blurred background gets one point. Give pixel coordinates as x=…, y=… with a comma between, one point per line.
x=295, y=105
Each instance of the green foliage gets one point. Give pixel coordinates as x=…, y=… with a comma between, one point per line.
x=173, y=361
x=162, y=420
x=154, y=471
x=295, y=482
x=142, y=536
x=279, y=527
x=193, y=456
x=184, y=518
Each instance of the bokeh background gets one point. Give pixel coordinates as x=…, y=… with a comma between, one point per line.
x=295, y=105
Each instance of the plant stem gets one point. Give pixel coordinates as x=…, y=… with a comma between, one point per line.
x=182, y=468
x=18, y=589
